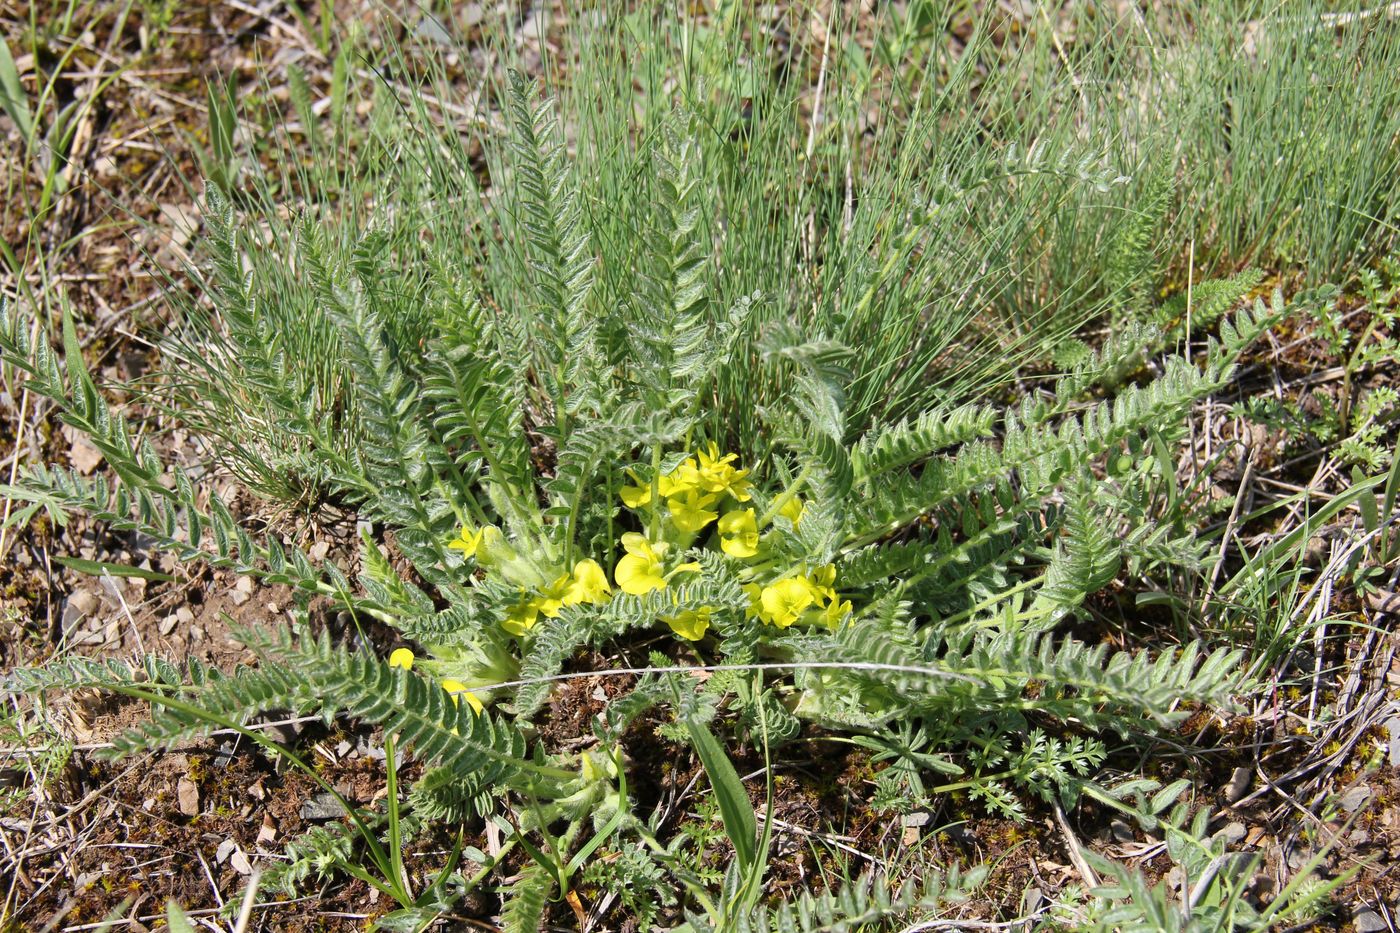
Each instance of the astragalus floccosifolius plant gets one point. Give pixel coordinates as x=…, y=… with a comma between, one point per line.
x=549, y=464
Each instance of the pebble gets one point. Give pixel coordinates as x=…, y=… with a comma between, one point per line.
x=167, y=625
x=225, y=849
x=185, y=614
x=1368, y=921
x=1238, y=786
x=83, y=601
x=1392, y=725
x=1355, y=797
x=322, y=808
x=1232, y=833
x=240, y=863
x=187, y=793
x=268, y=832
x=1122, y=832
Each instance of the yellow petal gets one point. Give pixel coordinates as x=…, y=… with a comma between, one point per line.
x=588, y=585
x=401, y=657
x=739, y=533
x=835, y=612
x=522, y=616
x=792, y=510
x=554, y=597
x=690, y=624
x=634, y=497
x=467, y=541
x=783, y=602
x=638, y=545
x=456, y=689
x=691, y=513
x=636, y=574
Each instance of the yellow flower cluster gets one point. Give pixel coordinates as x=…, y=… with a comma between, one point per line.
x=587, y=583
x=705, y=488
x=403, y=658
x=695, y=490
x=811, y=597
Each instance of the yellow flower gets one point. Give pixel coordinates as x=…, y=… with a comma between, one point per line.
x=522, y=616
x=467, y=541
x=639, y=570
x=755, y=595
x=782, y=603
x=717, y=476
x=738, y=533
x=589, y=584
x=455, y=689
x=634, y=497
x=691, y=511
x=401, y=657
x=792, y=510
x=690, y=624
x=822, y=580
x=553, y=597
x=836, y=612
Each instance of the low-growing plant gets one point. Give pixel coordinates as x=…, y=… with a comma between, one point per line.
x=920, y=574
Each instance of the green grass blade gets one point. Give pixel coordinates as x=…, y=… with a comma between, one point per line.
x=734, y=808
x=12, y=96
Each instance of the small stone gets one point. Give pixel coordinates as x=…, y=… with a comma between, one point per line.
x=240, y=863
x=167, y=625
x=268, y=832
x=322, y=808
x=319, y=550
x=84, y=601
x=196, y=633
x=1232, y=833
x=244, y=585
x=1122, y=832
x=187, y=793
x=1359, y=837
x=83, y=455
x=1368, y=921
x=257, y=791
x=273, y=609
x=1238, y=787
x=1392, y=726
x=918, y=818
x=1355, y=797
x=148, y=804
x=238, y=597
x=185, y=614
x=343, y=748
x=225, y=849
